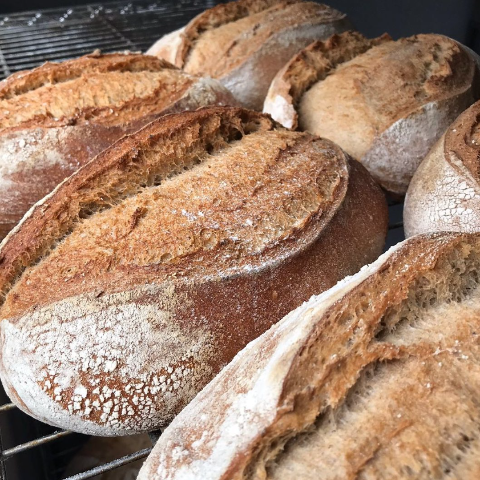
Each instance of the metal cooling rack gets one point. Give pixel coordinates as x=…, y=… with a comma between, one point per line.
x=28, y=39
x=30, y=449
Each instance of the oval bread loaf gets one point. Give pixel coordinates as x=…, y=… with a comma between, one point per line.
x=129, y=287
x=57, y=117
x=245, y=43
x=444, y=194
x=379, y=377
x=384, y=102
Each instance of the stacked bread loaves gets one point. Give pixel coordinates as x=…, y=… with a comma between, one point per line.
x=376, y=378
x=244, y=43
x=130, y=286
x=444, y=194
x=383, y=102
x=55, y=118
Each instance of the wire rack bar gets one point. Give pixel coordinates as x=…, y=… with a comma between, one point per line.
x=34, y=443
x=119, y=462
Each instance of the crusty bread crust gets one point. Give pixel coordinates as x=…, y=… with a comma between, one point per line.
x=245, y=43
x=397, y=98
x=312, y=64
x=444, y=194
x=39, y=149
x=193, y=303
x=376, y=378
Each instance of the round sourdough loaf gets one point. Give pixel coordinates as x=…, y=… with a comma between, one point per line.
x=130, y=286
x=378, y=377
x=384, y=102
x=55, y=118
x=444, y=194
x=245, y=43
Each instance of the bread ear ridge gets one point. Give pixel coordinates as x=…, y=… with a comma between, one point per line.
x=309, y=66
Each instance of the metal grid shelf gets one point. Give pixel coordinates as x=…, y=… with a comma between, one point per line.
x=30, y=449
x=28, y=39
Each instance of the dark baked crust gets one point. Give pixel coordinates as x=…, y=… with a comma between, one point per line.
x=378, y=375
x=222, y=292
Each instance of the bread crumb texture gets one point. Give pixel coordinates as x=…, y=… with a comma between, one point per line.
x=376, y=378
x=379, y=87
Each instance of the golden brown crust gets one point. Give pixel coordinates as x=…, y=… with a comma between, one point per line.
x=245, y=43
x=221, y=15
x=379, y=374
x=112, y=89
x=55, y=118
x=313, y=64
x=200, y=305
x=387, y=106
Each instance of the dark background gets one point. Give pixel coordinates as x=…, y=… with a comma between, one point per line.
x=459, y=19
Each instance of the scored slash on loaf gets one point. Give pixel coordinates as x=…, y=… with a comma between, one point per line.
x=57, y=117
x=130, y=286
x=444, y=194
x=244, y=43
x=384, y=102
x=376, y=378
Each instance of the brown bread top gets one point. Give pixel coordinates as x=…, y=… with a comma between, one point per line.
x=377, y=377
x=110, y=89
x=462, y=141
x=223, y=14
x=57, y=117
x=129, y=199
x=165, y=255
x=246, y=42
x=236, y=39
x=381, y=86
x=312, y=64
x=444, y=193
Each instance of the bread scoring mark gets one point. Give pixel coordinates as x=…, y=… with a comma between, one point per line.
x=83, y=354
x=444, y=193
x=311, y=65
x=421, y=70
x=294, y=379
x=97, y=236
x=217, y=17
x=163, y=149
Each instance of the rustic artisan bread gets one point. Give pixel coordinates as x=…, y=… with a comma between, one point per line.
x=55, y=118
x=384, y=102
x=129, y=287
x=245, y=43
x=379, y=377
x=444, y=194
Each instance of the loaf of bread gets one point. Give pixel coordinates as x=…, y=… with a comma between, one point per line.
x=245, y=43
x=384, y=102
x=444, y=194
x=377, y=378
x=130, y=286
x=55, y=118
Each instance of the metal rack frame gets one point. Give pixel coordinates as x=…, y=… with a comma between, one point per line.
x=27, y=40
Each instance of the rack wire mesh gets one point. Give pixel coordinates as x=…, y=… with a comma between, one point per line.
x=30, y=449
